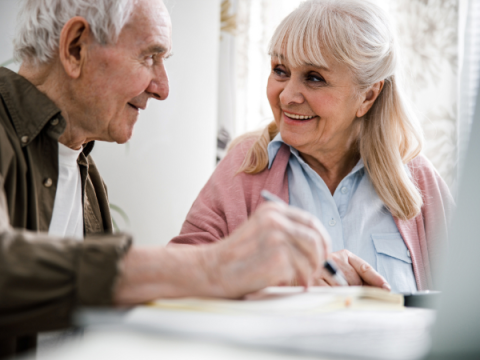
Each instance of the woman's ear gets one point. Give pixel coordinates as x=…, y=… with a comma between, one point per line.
x=74, y=38
x=370, y=96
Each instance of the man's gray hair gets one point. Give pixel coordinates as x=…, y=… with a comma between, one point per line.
x=40, y=23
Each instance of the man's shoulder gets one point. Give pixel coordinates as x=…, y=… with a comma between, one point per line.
x=5, y=115
x=23, y=106
x=7, y=139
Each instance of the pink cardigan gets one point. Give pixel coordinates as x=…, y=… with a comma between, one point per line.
x=228, y=199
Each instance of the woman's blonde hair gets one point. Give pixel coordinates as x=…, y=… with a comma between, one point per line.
x=359, y=34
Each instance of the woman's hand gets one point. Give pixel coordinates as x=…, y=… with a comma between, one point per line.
x=357, y=272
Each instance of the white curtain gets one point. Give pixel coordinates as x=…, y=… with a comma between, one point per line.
x=428, y=36
x=244, y=66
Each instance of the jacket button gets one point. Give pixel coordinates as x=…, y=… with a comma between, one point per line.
x=47, y=182
x=24, y=139
x=54, y=122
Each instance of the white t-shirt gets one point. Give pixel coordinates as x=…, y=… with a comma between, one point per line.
x=67, y=217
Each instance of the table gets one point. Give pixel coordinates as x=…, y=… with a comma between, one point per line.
x=145, y=332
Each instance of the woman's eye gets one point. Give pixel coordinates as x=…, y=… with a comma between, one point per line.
x=315, y=78
x=279, y=71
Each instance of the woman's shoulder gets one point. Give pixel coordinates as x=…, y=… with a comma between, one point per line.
x=421, y=167
x=235, y=156
x=227, y=172
x=227, y=169
x=428, y=179
x=239, y=147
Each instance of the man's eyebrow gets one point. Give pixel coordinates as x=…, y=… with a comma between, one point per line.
x=155, y=49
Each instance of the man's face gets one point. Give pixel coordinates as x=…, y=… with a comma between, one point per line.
x=119, y=79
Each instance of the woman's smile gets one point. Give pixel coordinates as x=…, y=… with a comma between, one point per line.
x=297, y=119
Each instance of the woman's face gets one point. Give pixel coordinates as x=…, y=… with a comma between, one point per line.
x=314, y=108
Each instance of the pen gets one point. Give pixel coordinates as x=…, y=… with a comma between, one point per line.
x=328, y=265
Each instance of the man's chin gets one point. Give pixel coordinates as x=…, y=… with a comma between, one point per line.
x=122, y=137
x=123, y=140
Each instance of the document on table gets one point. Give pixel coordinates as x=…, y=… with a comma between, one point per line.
x=292, y=300
x=367, y=324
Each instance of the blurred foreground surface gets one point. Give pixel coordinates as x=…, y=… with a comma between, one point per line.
x=152, y=333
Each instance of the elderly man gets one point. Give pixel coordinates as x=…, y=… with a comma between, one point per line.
x=88, y=68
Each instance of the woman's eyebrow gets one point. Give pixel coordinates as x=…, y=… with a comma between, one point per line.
x=307, y=64
x=320, y=67
x=277, y=55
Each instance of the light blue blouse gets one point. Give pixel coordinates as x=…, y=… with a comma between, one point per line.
x=355, y=217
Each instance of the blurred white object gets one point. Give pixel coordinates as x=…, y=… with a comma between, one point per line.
x=469, y=56
x=378, y=335
x=457, y=332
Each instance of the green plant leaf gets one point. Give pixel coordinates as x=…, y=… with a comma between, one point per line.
x=121, y=212
x=115, y=226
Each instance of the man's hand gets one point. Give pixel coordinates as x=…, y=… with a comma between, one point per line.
x=357, y=272
x=276, y=245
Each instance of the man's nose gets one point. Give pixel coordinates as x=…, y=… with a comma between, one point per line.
x=292, y=93
x=159, y=87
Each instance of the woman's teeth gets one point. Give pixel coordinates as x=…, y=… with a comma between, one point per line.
x=298, y=117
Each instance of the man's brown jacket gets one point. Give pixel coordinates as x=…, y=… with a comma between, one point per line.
x=42, y=278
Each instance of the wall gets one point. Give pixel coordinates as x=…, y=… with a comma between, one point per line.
x=158, y=174
x=8, y=13
x=156, y=177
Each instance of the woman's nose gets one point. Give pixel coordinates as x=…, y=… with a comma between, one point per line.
x=291, y=93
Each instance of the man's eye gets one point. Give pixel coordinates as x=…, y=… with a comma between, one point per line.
x=149, y=60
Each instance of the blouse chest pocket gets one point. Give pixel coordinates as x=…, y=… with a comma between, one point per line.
x=394, y=262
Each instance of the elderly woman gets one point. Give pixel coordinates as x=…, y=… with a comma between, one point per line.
x=344, y=146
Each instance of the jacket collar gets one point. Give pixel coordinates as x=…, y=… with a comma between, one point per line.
x=31, y=110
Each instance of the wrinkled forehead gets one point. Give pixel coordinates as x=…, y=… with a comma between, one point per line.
x=150, y=13
x=150, y=23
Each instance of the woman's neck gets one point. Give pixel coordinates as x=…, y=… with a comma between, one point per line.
x=334, y=165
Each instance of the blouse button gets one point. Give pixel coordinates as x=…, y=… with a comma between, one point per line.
x=332, y=222
x=47, y=182
x=344, y=190
x=24, y=139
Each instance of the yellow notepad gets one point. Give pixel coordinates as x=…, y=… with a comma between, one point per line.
x=292, y=300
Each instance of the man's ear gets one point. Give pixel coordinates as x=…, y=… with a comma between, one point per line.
x=370, y=96
x=74, y=38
